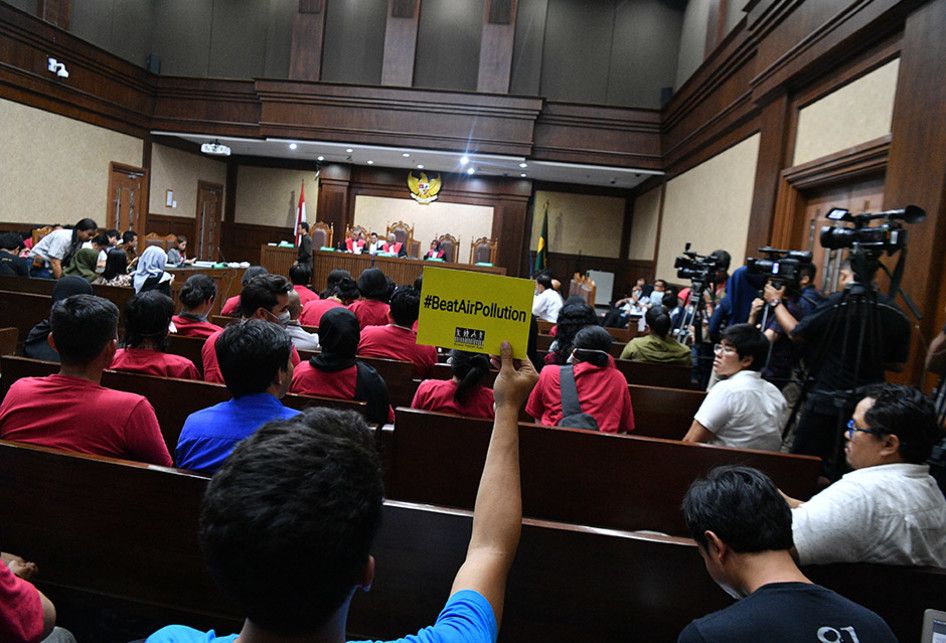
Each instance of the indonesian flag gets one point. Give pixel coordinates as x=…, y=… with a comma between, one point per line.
x=300, y=214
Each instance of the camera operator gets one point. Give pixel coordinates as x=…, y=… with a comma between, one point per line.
x=842, y=361
x=712, y=297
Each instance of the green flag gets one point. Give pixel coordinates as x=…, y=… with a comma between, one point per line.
x=542, y=249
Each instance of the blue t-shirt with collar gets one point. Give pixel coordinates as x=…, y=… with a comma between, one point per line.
x=466, y=618
x=209, y=435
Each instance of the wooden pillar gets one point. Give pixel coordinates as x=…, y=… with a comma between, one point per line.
x=57, y=12
x=916, y=173
x=509, y=230
x=308, y=34
x=496, y=46
x=773, y=140
x=227, y=245
x=400, y=42
x=332, y=206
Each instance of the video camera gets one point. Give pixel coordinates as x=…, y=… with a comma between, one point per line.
x=888, y=237
x=696, y=267
x=781, y=267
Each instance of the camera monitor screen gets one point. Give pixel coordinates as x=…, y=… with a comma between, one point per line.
x=837, y=214
x=934, y=627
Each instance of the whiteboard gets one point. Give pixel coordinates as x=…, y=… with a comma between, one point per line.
x=604, y=286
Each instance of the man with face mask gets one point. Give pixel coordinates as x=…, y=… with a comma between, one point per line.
x=743, y=530
x=255, y=358
x=265, y=297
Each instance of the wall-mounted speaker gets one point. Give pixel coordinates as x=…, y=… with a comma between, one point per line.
x=403, y=8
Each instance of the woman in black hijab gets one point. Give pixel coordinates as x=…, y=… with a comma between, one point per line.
x=339, y=335
x=36, y=345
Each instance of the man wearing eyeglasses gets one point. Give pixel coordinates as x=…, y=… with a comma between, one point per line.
x=889, y=510
x=742, y=410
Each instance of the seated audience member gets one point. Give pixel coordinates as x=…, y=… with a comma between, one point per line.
x=231, y=307
x=335, y=277
x=265, y=297
x=150, y=274
x=464, y=393
x=743, y=530
x=302, y=339
x=657, y=346
x=742, y=410
x=177, y=253
x=300, y=274
x=602, y=389
x=339, y=295
x=324, y=552
x=197, y=299
x=82, y=264
x=635, y=303
x=888, y=510
x=147, y=317
x=398, y=340
x=37, y=340
x=25, y=612
x=53, y=252
x=130, y=246
x=254, y=357
x=70, y=409
x=101, y=242
x=337, y=374
x=574, y=315
x=547, y=303
x=394, y=247
x=116, y=270
x=372, y=309
x=11, y=263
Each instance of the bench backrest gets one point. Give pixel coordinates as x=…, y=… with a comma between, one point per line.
x=573, y=476
x=661, y=412
x=655, y=374
x=189, y=347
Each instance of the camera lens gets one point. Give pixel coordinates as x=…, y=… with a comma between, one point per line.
x=834, y=237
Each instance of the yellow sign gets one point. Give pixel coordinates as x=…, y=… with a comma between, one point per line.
x=474, y=311
x=423, y=190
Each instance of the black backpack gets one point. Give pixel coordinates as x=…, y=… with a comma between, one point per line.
x=572, y=417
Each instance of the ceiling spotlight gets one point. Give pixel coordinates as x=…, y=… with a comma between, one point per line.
x=420, y=166
x=523, y=175
x=293, y=146
x=349, y=150
x=320, y=158
x=523, y=165
x=471, y=170
x=370, y=162
x=406, y=155
x=464, y=160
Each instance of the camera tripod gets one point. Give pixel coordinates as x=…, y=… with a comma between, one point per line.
x=695, y=317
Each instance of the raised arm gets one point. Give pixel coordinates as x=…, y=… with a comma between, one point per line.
x=497, y=516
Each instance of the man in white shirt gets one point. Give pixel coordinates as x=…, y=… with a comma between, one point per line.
x=302, y=339
x=51, y=255
x=889, y=510
x=547, y=303
x=742, y=410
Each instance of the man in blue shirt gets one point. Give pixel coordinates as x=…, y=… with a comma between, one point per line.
x=287, y=525
x=254, y=358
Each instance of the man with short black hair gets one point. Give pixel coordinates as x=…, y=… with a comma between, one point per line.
x=304, y=255
x=254, y=357
x=197, y=299
x=547, y=303
x=54, y=251
x=889, y=509
x=398, y=340
x=264, y=297
x=301, y=274
x=742, y=410
x=743, y=530
x=287, y=527
x=657, y=346
x=11, y=264
x=71, y=410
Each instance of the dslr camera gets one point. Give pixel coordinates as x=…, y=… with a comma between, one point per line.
x=888, y=237
x=696, y=267
x=780, y=267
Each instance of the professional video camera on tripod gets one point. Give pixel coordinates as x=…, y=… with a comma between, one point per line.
x=856, y=334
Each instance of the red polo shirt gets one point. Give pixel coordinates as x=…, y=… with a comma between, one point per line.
x=370, y=312
x=312, y=312
x=397, y=342
x=152, y=362
x=187, y=327
x=21, y=610
x=602, y=393
x=437, y=395
x=339, y=385
x=208, y=355
x=78, y=415
x=305, y=295
x=231, y=306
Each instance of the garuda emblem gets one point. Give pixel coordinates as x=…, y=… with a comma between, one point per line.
x=423, y=190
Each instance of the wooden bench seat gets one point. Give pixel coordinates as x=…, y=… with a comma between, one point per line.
x=569, y=475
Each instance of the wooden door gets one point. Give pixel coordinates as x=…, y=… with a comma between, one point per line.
x=126, y=196
x=207, y=233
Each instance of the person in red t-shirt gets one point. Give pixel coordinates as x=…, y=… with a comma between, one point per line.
x=336, y=373
x=147, y=316
x=339, y=294
x=25, y=613
x=602, y=389
x=231, y=307
x=70, y=409
x=197, y=298
x=265, y=297
x=399, y=340
x=463, y=394
x=372, y=309
x=300, y=274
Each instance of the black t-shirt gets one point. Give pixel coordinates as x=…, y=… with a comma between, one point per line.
x=890, y=343
x=13, y=266
x=790, y=613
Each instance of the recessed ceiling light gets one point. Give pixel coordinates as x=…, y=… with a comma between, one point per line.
x=320, y=158
x=523, y=175
x=464, y=160
x=471, y=170
x=406, y=155
x=370, y=162
x=293, y=146
x=349, y=150
x=523, y=165
x=420, y=166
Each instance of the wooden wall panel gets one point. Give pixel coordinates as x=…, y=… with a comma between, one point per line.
x=308, y=33
x=400, y=42
x=496, y=46
x=206, y=106
x=164, y=224
x=242, y=241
